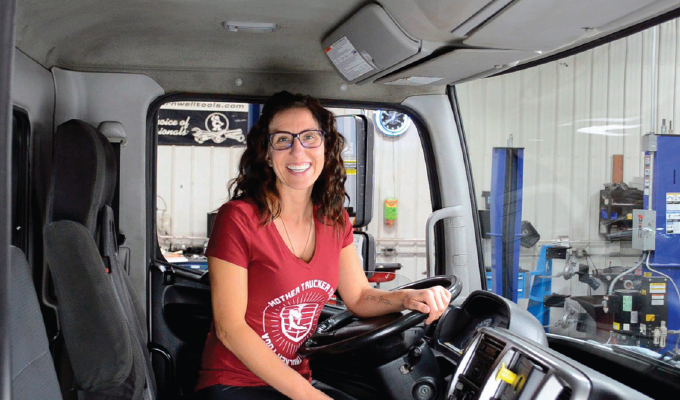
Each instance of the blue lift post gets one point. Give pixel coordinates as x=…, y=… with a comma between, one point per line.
x=666, y=202
x=506, y=218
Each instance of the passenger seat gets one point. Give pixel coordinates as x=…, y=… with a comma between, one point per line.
x=101, y=316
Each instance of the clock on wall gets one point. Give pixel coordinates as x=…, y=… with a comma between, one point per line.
x=392, y=123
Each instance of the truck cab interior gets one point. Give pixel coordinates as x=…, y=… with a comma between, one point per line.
x=520, y=153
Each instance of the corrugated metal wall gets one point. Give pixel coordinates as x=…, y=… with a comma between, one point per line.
x=192, y=181
x=400, y=173
x=572, y=116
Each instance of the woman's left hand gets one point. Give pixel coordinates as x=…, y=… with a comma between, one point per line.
x=433, y=301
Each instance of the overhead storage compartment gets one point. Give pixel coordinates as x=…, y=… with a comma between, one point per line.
x=368, y=44
x=546, y=25
x=456, y=66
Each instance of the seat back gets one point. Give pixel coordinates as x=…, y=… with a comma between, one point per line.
x=101, y=316
x=33, y=374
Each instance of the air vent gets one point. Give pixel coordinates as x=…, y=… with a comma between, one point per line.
x=565, y=394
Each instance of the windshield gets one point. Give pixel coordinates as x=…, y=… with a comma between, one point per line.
x=579, y=206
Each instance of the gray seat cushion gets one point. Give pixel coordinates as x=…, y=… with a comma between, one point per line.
x=94, y=327
x=33, y=374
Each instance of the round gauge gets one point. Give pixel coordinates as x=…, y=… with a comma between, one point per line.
x=392, y=123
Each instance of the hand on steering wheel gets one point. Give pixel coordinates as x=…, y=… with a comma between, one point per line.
x=433, y=301
x=343, y=333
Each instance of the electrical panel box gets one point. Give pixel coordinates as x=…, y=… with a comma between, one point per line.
x=644, y=229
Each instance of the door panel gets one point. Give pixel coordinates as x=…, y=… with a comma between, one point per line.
x=181, y=314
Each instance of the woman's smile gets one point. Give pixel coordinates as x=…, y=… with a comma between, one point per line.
x=299, y=168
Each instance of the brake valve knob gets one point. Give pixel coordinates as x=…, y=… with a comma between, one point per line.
x=507, y=376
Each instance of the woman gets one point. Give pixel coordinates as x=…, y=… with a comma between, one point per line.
x=277, y=252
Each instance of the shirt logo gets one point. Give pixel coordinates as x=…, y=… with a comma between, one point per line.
x=297, y=320
x=290, y=318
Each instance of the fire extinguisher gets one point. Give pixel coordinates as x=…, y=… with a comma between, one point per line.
x=390, y=210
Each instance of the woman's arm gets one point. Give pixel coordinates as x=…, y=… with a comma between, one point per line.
x=229, y=291
x=365, y=301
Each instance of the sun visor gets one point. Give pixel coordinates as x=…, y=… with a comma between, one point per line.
x=544, y=25
x=456, y=66
x=370, y=44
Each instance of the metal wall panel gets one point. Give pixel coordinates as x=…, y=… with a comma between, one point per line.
x=400, y=172
x=572, y=116
x=191, y=181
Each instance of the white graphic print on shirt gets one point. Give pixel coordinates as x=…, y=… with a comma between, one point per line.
x=288, y=320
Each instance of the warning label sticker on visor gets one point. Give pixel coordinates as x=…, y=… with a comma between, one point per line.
x=347, y=59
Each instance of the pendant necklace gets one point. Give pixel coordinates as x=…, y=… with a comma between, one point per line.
x=291, y=242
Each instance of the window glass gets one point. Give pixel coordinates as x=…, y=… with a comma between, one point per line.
x=199, y=147
x=593, y=261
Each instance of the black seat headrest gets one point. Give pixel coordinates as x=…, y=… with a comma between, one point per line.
x=83, y=174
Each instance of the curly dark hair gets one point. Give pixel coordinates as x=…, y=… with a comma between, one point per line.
x=256, y=181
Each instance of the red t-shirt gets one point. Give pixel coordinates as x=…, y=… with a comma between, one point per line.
x=285, y=294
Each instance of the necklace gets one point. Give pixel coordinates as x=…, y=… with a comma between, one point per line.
x=291, y=242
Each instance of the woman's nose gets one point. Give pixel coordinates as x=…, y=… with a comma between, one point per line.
x=297, y=146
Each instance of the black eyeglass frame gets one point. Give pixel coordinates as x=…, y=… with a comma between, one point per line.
x=295, y=135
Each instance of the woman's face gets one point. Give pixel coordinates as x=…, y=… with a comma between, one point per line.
x=296, y=168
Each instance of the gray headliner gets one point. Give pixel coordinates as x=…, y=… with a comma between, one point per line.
x=182, y=45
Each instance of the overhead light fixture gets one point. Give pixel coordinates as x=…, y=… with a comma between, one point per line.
x=249, y=27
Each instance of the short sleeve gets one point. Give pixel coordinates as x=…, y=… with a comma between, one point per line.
x=348, y=236
x=229, y=238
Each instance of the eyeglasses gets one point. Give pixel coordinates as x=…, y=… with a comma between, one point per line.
x=308, y=139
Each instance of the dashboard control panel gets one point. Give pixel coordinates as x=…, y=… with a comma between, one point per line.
x=499, y=366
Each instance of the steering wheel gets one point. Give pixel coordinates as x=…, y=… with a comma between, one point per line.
x=343, y=333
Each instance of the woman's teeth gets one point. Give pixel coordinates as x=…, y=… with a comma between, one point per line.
x=298, y=168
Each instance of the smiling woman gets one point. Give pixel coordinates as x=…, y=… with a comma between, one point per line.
x=178, y=89
x=290, y=186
